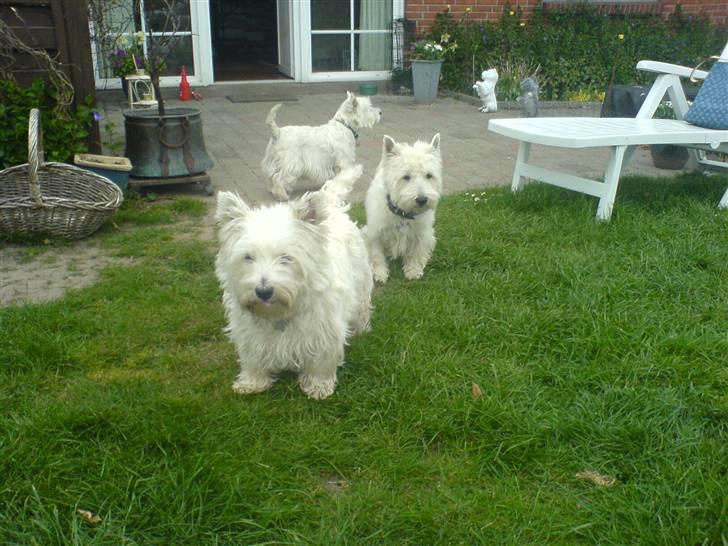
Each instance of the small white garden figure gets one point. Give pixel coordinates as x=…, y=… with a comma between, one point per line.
x=486, y=90
x=529, y=98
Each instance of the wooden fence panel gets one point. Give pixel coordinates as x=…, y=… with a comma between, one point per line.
x=60, y=27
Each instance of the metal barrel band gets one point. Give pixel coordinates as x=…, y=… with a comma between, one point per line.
x=185, y=129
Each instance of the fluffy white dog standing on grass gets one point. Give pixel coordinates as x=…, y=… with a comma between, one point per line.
x=296, y=284
x=400, y=206
x=315, y=153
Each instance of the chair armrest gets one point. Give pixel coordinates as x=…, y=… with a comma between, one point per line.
x=674, y=69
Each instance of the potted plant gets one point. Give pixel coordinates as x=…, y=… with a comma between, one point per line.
x=427, y=57
x=162, y=142
x=127, y=56
x=668, y=156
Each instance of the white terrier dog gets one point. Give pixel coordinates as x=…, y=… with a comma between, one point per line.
x=315, y=153
x=400, y=207
x=296, y=284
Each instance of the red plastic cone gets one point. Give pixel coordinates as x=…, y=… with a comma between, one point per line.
x=184, y=86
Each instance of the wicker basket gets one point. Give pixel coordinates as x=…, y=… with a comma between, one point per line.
x=54, y=198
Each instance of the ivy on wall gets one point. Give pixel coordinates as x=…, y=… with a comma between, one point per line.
x=573, y=51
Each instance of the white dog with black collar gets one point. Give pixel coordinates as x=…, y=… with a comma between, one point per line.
x=400, y=207
x=317, y=153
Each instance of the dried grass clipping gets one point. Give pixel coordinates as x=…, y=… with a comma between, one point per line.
x=89, y=516
x=601, y=480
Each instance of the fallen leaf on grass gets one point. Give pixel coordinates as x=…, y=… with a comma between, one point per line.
x=89, y=516
x=601, y=480
x=477, y=391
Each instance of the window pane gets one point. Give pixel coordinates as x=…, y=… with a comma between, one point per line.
x=120, y=25
x=330, y=15
x=373, y=51
x=330, y=52
x=113, y=28
x=160, y=18
x=180, y=53
x=373, y=14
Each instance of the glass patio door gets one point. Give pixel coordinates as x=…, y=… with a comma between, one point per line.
x=351, y=36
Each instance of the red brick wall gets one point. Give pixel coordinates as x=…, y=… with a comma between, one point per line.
x=424, y=11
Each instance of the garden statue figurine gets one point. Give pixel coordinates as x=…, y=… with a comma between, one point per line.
x=529, y=97
x=486, y=90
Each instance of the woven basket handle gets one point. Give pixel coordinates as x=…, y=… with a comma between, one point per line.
x=35, y=154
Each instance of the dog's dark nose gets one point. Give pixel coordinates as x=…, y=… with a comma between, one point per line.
x=264, y=292
x=421, y=200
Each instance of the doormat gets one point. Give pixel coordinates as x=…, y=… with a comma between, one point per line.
x=265, y=98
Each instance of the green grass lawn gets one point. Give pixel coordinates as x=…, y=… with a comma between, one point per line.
x=592, y=347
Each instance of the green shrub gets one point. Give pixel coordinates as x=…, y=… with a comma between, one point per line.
x=575, y=49
x=65, y=132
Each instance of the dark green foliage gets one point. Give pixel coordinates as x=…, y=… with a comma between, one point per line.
x=577, y=48
x=64, y=133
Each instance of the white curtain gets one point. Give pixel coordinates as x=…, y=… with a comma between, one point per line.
x=375, y=50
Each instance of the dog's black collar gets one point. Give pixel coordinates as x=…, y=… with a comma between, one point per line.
x=399, y=212
x=353, y=132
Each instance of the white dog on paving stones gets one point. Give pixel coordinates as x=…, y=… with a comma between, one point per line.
x=296, y=283
x=315, y=153
x=400, y=207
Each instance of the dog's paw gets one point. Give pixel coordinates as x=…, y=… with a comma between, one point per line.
x=381, y=274
x=247, y=384
x=279, y=193
x=413, y=272
x=316, y=388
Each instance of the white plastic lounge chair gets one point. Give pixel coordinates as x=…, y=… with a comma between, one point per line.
x=621, y=135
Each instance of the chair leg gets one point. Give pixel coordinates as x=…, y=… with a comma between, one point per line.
x=724, y=201
x=628, y=155
x=611, y=181
x=524, y=150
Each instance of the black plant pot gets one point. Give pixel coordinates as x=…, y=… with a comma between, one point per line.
x=165, y=146
x=124, y=87
x=669, y=156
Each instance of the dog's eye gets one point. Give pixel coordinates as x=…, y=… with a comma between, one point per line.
x=248, y=258
x=428, y=176
x=406, y=178
x=285, y=259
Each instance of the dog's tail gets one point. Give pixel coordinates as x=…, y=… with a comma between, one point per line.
x=340, y=186
x=271, y=122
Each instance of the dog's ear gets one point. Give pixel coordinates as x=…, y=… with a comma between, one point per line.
x=351, y=97
x=436, y=142
x=230, y=206
x=310, y=208
x=389, y=146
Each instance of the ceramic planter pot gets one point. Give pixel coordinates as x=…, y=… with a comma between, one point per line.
x=425, y=80
x=165, y=146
